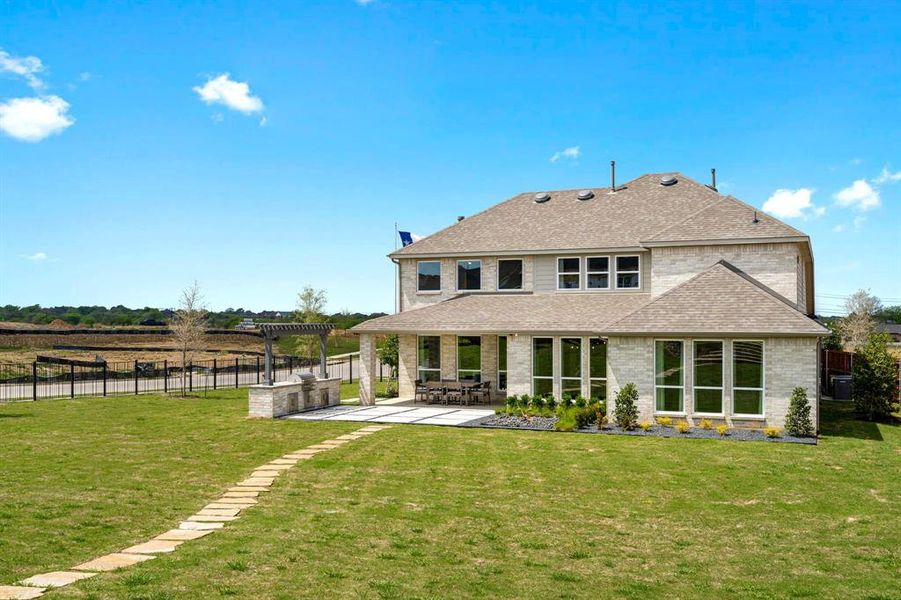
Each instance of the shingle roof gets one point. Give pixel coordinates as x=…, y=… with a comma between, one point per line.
x=721, y=299
x=506, y=313
x=641, y=210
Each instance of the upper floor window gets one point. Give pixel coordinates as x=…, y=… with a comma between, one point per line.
x=509, y=274
x=428, y=276
x=598, y=272
x=469, y=275
x=569, y=273
x=628, y=269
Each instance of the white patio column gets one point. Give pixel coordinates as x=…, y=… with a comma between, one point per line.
x=407, y=365
x=368, y=369
x=519, y=365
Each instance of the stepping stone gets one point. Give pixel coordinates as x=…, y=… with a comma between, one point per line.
x=222, y=505
x=262, y=474
x=182, y=535
x=17, y=592
x=247, y=494
x=111, y=562
x=322, y=447
x=153, y=547
x=255, y=481
x=211, y=518
x=198, y=526
x=283, y=461
x=272, y=467
x=349, y=437
x=56, y=579
x=247, y=488
x=235, y=501
x=219, y=512
x=299, y=456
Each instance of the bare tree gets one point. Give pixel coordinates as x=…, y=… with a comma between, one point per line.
x=859, y=323
x=188, y=327
x=310, y=309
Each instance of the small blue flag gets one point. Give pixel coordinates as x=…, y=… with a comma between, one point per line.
x=406, y=238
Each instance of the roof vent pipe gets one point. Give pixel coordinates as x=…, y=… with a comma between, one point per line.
x=612, y=175
x=756, y=220
x=460, y=218
x=713, y=179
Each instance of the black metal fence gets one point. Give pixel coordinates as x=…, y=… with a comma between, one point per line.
x=40, y=380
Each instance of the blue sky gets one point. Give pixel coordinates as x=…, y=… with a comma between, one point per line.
x=259, y=147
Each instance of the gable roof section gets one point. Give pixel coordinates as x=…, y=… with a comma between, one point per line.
x=727, y=219
x=511, y=313
x=636, y=211
x=722, y=299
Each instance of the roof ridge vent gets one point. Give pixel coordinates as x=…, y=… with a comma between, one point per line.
x=585, y=195
x=668, y=180
x=542, y=197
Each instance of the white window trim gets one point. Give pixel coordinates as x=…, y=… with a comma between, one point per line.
x=497, y=277
x=579, y=274
x=419, y=291
x=581, y=377
x=675, y=387
x=459, y=370
x=616, y=268
x=590, y=378
x=532, y=365
x=608, y=272
x=430, y=369
x=721, y=388
x=762, y=390
x=498, y=358
x=457, y=274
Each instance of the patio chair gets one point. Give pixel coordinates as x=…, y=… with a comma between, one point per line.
x=453, y=393
x=434, y=391
x=422, y=391
x=481, y=394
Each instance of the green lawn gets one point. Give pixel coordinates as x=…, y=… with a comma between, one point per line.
x=428, y=512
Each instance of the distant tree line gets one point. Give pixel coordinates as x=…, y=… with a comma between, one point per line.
x=88, y=316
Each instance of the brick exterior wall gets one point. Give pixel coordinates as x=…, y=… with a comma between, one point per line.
x=448, y=357
x=411, y=298
x=489, y=361
x=631, y=360
x=519, y=365
x=286, y=397
x=789, y=362
x=407, y=365
x=368, y=369
x=774, y=265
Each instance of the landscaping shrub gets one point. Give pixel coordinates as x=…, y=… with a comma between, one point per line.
x=566, y=402
x=706, y=424
x=723, y=430
x=585, y=416
x=551, y=403
x=581, y=402
x=772, y=432
x=683, y=427
x=874, y=376
x=664, y=421
x=626, y=410
x=566, y=421
x=645, y=425
x=523, y=401
x=537, y=403
x=797, y=421
x=511, y=401
x=601, y=420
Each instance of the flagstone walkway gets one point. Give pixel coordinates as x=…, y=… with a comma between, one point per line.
x=207, y=520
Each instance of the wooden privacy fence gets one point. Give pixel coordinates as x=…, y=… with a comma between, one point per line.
x=836, y=362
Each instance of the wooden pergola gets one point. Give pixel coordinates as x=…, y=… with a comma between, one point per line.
x=273, y=331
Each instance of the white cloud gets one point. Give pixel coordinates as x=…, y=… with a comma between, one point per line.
x=790, y=204
x=26, y=67
x=838, y=228
x=860, y=195
x=416, y=237
x=887, y=176
x=573, y=152
x=858, y=223
x=233, y=94
x=856, y=161
x=364, y=2
x=84, y=76
x=36, y=257
x=33, y=119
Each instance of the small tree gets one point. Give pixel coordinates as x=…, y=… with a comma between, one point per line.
x=873, y=378
x=859, y=323
x=387, y=350
x=310, y=309
x=834, y=341
x=626, y=411
x=188, y=327
x=797, y=421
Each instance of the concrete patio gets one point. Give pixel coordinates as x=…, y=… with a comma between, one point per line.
x=398, y=412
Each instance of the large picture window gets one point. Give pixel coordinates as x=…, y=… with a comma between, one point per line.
x=571, y=367
x=569, y=272
x=542, y=366
x=469, y=357
x=509, y=274
x=597, y=367
x=708, y=377
x=669, y=375
x=747, y=378
x=429, y=357
x=428, y=276
x=469, y=275
x=597, y=274
x=628, y=270
x=502, y=362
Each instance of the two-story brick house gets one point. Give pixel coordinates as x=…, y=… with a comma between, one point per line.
x=701, y=301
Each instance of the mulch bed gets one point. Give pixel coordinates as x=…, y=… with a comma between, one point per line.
x=505, y=421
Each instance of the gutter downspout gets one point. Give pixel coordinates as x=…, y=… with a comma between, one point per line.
x=398, y=302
